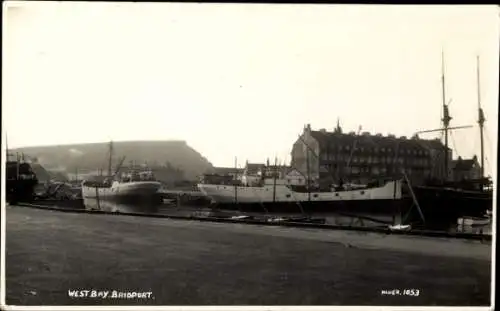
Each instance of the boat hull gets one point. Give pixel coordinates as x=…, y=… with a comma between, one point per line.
x=447, y=205
x=126, y=193
x=384, y=202
x=439, y=207
x=269, y=194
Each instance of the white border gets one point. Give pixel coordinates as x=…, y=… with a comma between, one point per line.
x=7, y=4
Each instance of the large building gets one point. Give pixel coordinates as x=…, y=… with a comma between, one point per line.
x=328, y=157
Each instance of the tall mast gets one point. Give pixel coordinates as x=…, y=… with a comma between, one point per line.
x=481, y=118
x=110, y=158
x=308, y=177
x=275, y=175
x=446, y=117
x=235, y=180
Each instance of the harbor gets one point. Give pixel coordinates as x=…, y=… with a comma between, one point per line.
x=193, y=263
x=227, y=155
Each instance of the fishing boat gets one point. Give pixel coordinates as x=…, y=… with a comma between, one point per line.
x=20, y=180
x=130, y=187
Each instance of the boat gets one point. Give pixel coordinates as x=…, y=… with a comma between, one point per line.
x=129, y=188
x=444, y=201
x=283, y=198
x=473, y=221
x=399, y=227
x=21, y=180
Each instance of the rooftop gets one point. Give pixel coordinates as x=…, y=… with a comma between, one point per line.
x=376, y=140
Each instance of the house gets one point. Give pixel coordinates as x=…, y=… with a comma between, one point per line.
x=328, y=157
x=217, y=179
x=466, y=169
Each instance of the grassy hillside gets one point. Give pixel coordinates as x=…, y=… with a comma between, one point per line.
x=95, y=156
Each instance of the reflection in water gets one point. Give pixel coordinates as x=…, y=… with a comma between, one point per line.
x=332, y=219
x=108, y=206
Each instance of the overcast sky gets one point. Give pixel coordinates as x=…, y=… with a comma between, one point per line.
x=241, y=80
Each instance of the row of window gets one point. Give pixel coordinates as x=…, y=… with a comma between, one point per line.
x=376, y=160
x=383, y=171
x=384, y=150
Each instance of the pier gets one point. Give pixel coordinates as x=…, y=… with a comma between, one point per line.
x=205, y=263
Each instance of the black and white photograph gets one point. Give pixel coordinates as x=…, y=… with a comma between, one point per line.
x=248, y=154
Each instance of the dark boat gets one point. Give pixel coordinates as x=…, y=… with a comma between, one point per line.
x=20, y=181
x=444, y=201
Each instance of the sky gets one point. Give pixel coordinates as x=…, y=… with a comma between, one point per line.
x=240, y=81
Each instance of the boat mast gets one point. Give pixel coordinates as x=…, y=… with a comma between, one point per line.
x=274, y=178
x=110, y=157
x=308, y=176
x=481, y=118
x=235, y=180
x=446, y=117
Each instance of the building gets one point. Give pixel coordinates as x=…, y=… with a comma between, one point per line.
x=236, y=173
x=466, y=169
x=328, y=157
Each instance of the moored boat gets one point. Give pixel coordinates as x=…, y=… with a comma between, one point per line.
x=20, y=180
x=473, y=221
x=382, y=199
x=125, y=190
x=131, y=187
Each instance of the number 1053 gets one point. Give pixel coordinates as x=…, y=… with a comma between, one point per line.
x=411, y=292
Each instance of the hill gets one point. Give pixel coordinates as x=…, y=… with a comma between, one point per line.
x=91, y=157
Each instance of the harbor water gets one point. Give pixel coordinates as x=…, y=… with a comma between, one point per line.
x=330, y=218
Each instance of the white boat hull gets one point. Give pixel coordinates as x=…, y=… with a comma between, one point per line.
x=283, y=194
x=122, y=191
